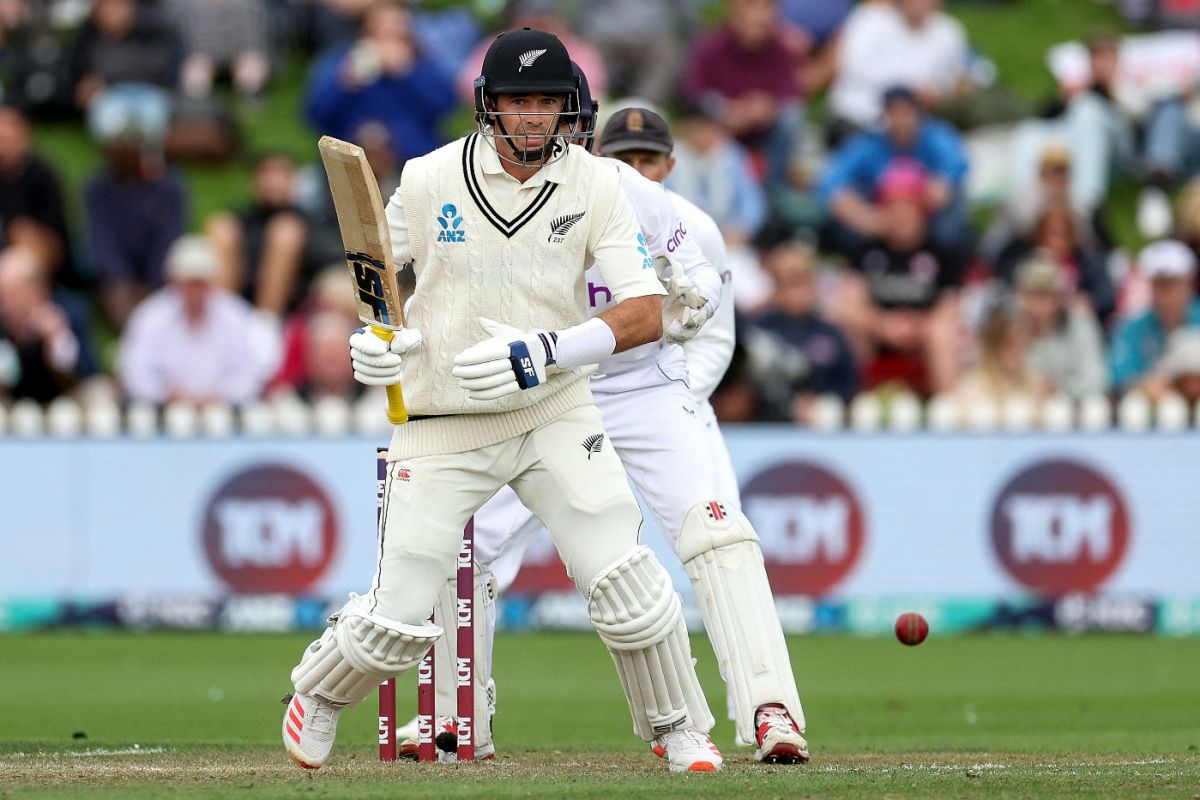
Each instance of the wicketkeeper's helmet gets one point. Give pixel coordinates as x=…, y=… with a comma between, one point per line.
x=589, y=111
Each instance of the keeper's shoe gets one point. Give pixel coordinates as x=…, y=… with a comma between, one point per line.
x=309, y=728
x=688, y=751
x=779, y=739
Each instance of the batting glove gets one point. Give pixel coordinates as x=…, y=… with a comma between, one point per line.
x=510, y=361
x=376, y=362
x=685, y=310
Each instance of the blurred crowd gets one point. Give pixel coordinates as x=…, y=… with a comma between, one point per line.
x=898, y=221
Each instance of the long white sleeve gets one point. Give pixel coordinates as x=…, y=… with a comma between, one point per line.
x=666, y=232
x=709, y=353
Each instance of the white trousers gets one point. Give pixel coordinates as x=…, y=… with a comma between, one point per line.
x=671, y=447
x=579, y=491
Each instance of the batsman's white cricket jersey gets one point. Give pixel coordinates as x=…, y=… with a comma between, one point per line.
x=667, y=437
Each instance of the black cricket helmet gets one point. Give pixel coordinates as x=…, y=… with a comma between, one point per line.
x=527, y=61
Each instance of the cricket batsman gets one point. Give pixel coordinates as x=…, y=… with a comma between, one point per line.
x=499, y=227
x=656, y=411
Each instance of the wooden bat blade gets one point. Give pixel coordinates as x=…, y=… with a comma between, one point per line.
x=368, y=247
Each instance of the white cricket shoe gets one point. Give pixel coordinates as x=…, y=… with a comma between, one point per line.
x=779, y=740
x=309, y=727
x=688, y=751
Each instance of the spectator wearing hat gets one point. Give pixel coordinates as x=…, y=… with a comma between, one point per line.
x=900, y=301
x=852, y=177
x=1066, y=343
x=1138, y=346
x=192, y=341
x=749, y=75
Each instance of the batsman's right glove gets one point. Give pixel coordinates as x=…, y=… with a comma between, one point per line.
x=376, y=362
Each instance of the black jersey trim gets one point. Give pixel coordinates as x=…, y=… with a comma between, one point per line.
x=508, y=227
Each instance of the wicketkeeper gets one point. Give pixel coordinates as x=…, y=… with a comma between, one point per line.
x=499, y=227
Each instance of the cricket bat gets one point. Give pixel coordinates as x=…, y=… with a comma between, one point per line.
x=379, y=290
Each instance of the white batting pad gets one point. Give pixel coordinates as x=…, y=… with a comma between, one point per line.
x=358, y=652
x=639, y=617
x=721, y=553
x=445, y=615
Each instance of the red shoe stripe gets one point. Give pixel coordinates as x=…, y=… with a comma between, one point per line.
x=292, y=733
x=295, y=719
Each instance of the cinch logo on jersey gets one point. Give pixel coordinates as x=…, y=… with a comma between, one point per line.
x=559, y=226
x=451, y=224
x=1060, y=526
x=647, y=262
x=677, y=237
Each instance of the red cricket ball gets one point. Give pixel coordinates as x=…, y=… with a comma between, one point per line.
x=911, y=628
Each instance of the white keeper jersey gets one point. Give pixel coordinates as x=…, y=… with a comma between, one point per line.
x=665, y=235
x=709, y=354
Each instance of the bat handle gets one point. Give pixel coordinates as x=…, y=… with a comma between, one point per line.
x=397, y=413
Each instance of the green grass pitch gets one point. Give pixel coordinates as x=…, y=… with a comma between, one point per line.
x=117, y=715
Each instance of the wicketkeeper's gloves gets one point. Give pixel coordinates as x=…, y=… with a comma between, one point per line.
x=686, y=307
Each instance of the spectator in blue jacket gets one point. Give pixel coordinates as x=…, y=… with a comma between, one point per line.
x=1139, y=345
x=382, y=76
x=851, y=181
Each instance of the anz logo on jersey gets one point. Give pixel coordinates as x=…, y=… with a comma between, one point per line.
x=451, y=224
x=647, y=262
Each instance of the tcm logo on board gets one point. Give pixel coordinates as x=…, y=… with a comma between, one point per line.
x=811, y=525
x=270, y=529
x=1060, y=526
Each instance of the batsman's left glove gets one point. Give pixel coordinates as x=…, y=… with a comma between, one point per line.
x=510, y=361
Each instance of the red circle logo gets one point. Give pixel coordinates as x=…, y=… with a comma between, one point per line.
x=1060, y=526
x=270, y=529
x=811, y=525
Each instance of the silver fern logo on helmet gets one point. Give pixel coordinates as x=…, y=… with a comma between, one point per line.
x=528, y=57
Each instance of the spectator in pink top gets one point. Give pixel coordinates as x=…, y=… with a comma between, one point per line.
x=748, y=74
